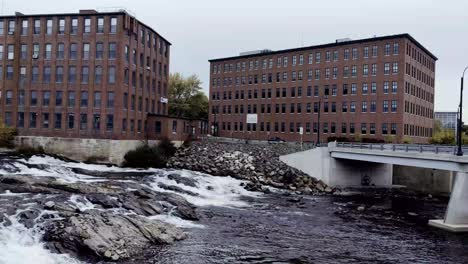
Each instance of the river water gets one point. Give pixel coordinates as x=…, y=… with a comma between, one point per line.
x=237, y=226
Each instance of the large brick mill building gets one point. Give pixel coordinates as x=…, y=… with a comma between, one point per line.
x=380, y=88
x=101, y=75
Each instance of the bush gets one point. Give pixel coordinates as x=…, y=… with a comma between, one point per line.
x=7, y=136
x=146, y=156
x=338, y=139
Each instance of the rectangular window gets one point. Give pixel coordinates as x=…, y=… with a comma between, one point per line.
x=110, y=100
x=37, y=27
x=58, y=98
x=87, y=25
x=24, y=28
x=58, y=121
x=84, y=99
x=71, y=99
x=100, y=25
x=97, y=100
x=74, y=26
x=86, y=49
x=71, y=74
x=71, y=121
x=113, y=25
x=99, y=50
x=11, y=52
x=48, y=51
x=49, y=26
x=32, y=120
x=11, y=27
x=45, y=120
x=83, y=121
x=73, y=51
x=112, y=50
x=61, y=26
x=111, y=75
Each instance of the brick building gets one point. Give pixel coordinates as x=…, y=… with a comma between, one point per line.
x=82, y=75
x=380, y=88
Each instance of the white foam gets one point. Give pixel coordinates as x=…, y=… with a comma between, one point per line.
x=81, y=203
x=20, y=245
x=179, y=222
x=210, y=190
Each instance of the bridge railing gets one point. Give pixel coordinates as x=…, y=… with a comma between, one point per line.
x=437, y=149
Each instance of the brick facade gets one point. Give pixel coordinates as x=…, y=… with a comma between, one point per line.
x=379, y=88
x=84, y=75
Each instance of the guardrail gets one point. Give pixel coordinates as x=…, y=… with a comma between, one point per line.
x=437, y=149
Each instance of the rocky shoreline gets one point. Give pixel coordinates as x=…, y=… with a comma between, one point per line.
x=107, y=217
x=259, y=164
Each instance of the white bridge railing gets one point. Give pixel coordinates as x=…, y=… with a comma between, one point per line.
x=442, y=149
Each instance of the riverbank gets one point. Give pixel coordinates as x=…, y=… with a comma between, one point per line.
x=258, y=164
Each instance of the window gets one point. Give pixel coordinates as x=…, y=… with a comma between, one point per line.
x=60, y=51
x=35, y=74
x=354, y=53
x=393, y=130
x=73, y=51
x=384, y=129
x=45, y=98
x=395, y=67
x=374, y=51
x=394, y=87
x=37, y=27
x=1, y=51
x=374, y=69
x=110, y=122
x=71, y=74
x=365, y=69
x=97, y=100
x=87, y=25
x=61, y=26
x=100, y=25
x=385, y=87
x=71, y=99
x=174, y=126
x=86, y=48
x=110, y=99
x=32, y=120
x=49, y=26
x=113, y=25
x=364, y=88
x=373, y=88
x=83, y=121
x=33, y=98
x=98, y=75
x=387, y=49
x=363, y=128
x=46, y=75
x=317, y=57
x=59, y=74
x=9, y=97
x=372, y=129
x=71, y=121
x=21, y=97
x=9, y=72
x=24, y=28
x=311, y=58
x=394, y=106
x=387, y=68
x=346, y=54
x=364, y=106
x=84, y=99
x=45, y=120
x=11, y=52
x=11, y=27
x=74, y=26
x=99, y=50
x=353, y=88
x=1, y=27
x=48, y=51
x=395, y=48
x=58, y=120
x=58, y=98
x=112, y=50
x=111, y=75
x=385, y=106
x=373, y=107
x=84, y=74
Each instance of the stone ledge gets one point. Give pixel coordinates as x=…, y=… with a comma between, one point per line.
x=448, y=227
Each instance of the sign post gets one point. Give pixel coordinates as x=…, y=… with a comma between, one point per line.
x=252, y=119
x=301, y=131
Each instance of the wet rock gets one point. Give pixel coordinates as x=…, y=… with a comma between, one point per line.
x=101, y=236
x=49, y=205
x=361, y=208
x=176, y=189
x=112, y=174
x=182, y=180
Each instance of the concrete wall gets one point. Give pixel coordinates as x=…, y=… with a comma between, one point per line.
x=339, y=172
x=424, y=180
x=107, y=150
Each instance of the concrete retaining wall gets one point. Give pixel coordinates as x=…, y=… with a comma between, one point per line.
x=105, y=150
x=424, y=180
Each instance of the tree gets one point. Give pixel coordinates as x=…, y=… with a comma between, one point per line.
x=186, y=98
x=442, y=135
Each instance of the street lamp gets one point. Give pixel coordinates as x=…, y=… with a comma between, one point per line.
x=460, y=110
x=318, y=122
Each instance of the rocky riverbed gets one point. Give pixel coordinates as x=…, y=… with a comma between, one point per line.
x=259, y=164
x=70, y=211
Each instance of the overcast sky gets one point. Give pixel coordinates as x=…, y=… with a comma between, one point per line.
x=205, y=29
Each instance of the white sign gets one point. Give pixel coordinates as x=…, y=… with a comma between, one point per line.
x=301, y=131
x=164, y=100
x=251, y=118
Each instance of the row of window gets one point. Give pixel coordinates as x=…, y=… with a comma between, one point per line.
x=45, y=121
x=387, y=106
x=387, y=87
x=365, y=128
x=282, y=61
x=420, y=57
x=59, y=74
x=60, y=53
x=419, y=75
x=419, y=92
x=60, y=27
x=83, y=100
x=419, y=110
x=298, y=75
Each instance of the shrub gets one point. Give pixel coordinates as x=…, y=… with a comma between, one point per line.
x=146, y=156
x=7, y=135
x=338, y=139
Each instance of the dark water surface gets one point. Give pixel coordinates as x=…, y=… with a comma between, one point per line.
x=278, y=229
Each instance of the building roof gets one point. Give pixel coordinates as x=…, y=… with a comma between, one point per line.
x=89, y=12
x=334, y=44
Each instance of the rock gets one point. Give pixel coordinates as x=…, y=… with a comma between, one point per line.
x=412, y=214
x=102, y=236
x=182, y=180
x=361, y=208
x=49, y=205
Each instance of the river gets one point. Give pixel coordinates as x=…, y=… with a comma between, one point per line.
x=237, y=226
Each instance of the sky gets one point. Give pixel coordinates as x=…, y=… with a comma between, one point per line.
x=200, y=30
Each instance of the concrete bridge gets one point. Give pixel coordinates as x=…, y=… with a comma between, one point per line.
x=358, y=164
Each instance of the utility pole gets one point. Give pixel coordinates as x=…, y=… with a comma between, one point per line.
x=460, y=120
x=318, y=122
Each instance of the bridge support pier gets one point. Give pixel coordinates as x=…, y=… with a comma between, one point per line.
x=456, y=216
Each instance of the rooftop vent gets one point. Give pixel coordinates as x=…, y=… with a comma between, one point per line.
x=343, y=40
x=253, y=52
x=88, y=11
